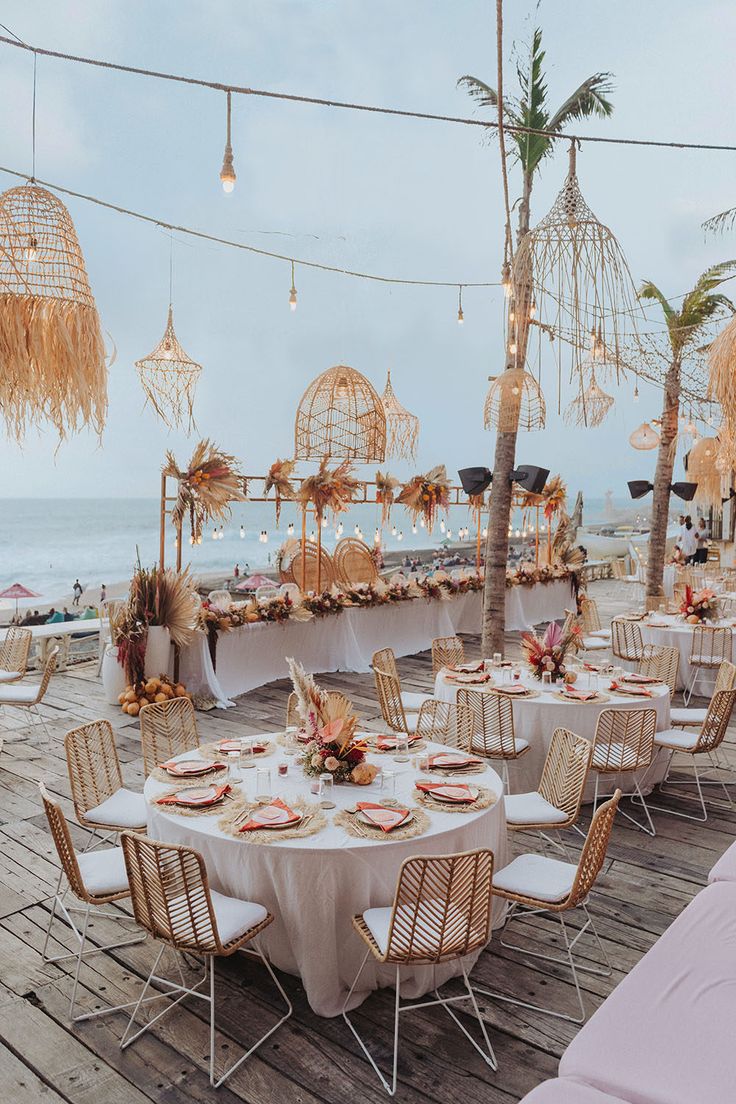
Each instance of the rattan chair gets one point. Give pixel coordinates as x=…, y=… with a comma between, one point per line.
x=22, y=695
x=693, y=717
x=385, y=660
x=661, y=663
x=173, y=902
x=14, y=651
x=626, y=640
x=493, y=728
x=541, y=885
x=624, y=744
x=388, y=691
x=584, y=643
x=306, y=580
x=590, y=619
x=706, y=741
x=556, y=803
x=95, y=878
x=167, y=729
x=709, y=647
x=447, y=651
x=101, y=802
x=445, y=723
x=441, y=913
x=353, y=563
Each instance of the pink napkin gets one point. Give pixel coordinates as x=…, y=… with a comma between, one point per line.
x=460, y=793
x=181, y=769
x=641, y=680
x=444, y=759
x=386, y=743
x=176, y=799
x=234, y=745
x=467, y=677
x=276, y=818
x=579, y=695
x=515, y=688
x=634, y=691
x=467, y=668
x=381, y=817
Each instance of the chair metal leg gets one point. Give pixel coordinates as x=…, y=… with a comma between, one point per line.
x=170, y=990
x=488, y=1055
x=58, y=900
x=637, y=798
x=390, y=1088
x=696, y=782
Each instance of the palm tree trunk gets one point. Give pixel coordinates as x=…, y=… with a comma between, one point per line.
x=662, y=480
x=497, y=542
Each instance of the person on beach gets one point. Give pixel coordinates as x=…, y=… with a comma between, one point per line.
x=77, y=591
x=236, y=571
x=103, y=594
x=68, y=616
x=88, y=614
x=54, y=617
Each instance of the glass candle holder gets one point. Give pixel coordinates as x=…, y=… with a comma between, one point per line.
x=402, y=748
x=263, y=785
x=327, y=790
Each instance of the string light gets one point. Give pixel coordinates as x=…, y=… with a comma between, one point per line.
x=357, y=530
x=393, y=531
x=214, y=534
x=485, y=533
x=449, y=534
x=460, y=315
x=400, y=536
x=242, y=533
x=414, y=529
x=32, y=250
x=338, y=531
x=442, y=527
x=227, y=172
x=290, y=529
x=292, y=293
x=422, y=523
x=324, y=522
x=506, y=279
x=377, y=537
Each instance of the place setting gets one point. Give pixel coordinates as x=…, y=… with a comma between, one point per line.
x=271, y=819
x=447, y=797
x=194, y=801
x=246, y=748
x=371, y=820
x=451, y=764
x=189, y=772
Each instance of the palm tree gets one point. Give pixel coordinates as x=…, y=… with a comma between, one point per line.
x=529, y=110
x=684, y=329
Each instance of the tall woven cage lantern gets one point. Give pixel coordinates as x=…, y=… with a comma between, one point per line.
x=514, y=402
x=340, y=415
x=580, y=279
x=52, y=354
x=169, y=379
x=402, y=428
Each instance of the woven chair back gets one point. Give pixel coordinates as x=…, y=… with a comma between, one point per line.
x=447, y=651
x=589, y=616
x=388, y=689
x=93, y=765
x=493, y=723
x=726, y=677
x=220, y=598
x=710, y=646
x=626, y=640
x=306, y=580
x=565, y=771
x=714, y=726
x=445, y=723
x=386, y=661
x=14, y=649
x=67, y=855
x=624, y=739
x=442, y=908
x=353, y=562
x=167, y=729
x=661, y=663
x=593, y=854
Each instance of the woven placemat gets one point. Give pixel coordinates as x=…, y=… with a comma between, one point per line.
x=358, y=830
x=530, y=693
x=160, y=775
x=314, y=821
x=182, y=810
x=419, y=745
x=438, y=771
x=599, y=697
x=484, y=800
x=211, y=749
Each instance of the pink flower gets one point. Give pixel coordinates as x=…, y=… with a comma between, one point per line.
x=331, y=763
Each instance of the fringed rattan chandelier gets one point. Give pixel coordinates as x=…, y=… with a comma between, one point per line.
x=644, y=437
x=169, y=378
x=340, y=415
x=590, y=407
x=514, y=402
x=703, y=468
x=579, y=279
x=402, y=428
x=722, y=373
x=52, y=355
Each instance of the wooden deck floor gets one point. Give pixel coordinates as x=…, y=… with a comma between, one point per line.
x=310, y=1059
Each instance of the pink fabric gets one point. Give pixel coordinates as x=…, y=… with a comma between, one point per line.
x=564, y=1091
x=725, y=869
x=665, y=1035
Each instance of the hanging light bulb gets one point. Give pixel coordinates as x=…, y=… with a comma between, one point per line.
x=442, y=527
x=414, y=529
x=32, y=250
x=377, y=537
x=636, y=392
x=506, y=278
x=400, y=536
x=292, y=293
x=199, y=539
x=357, y=530
x=518, y=532
x=214, y=534
x=338, y=531
x=449, y=534
x=512, y=351
x=313, y=536
x=485, y=533
x=393, y=531
x=242, y=533
x=227, y=172
x=460, y=315
x=290, y=529
x=176, y=542
x=324, y=522
x=422, y=523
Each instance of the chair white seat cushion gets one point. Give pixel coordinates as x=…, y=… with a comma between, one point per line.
x=412, y=703
x=610, y=756
x=378, y=921
x=123, y=808
x=687, y=716
x=531, y=808
x=103, y=872
x=677, y=737
x=562, y=1090
x=594, y=644
x=603, y=634
x=18, y=694
x=10, y=676
x=536, y=876
x=234, y=918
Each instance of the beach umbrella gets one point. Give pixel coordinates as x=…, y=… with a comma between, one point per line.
x=255, y=581
x=17, y=591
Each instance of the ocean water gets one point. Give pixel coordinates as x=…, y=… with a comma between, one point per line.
x=47, y=543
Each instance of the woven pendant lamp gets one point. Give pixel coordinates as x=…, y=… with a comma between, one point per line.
x=703, y=468
x=340, y=415
x=722, y=366
x=644, y=437
x=589, y=408
x=402, y=428
x=169, y=378
x=579, y=277
x=514, y=401
x=52, y=355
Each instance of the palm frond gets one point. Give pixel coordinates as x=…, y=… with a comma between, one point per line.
x=589, y=99
x=650, y=291
x=719, y=224
x=486, y=96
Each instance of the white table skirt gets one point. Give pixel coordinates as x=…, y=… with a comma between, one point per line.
x=678, y=634
x=314, y=886
x=535, y=720
x=253, y=655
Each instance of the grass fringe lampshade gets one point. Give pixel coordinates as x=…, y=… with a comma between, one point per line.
x=340, y=415
x=402, y=428
x=52, y=354
x=722, y=365
x=703, y=468
x=514, y=401
x=169, y=378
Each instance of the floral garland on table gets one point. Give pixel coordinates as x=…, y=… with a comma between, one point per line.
x=425, y=495
x=319, y=605
x=327, y=720
x=530, y=576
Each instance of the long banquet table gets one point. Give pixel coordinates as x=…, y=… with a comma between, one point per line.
x=253, y=655
x=315, y=885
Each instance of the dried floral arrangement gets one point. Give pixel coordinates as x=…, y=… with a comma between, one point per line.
x=548, y=653
x=157, y=597
x=279, y=481
x=206, y=487
x=329, y=491
x=425, y=495
x=699, y=606
x=386, y=494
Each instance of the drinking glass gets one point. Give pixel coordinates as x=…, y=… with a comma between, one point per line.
x=388, y=787
x=233, y=767
x=546, y=680
x=246, y=754
x=327, y=789
x=497, y=657
x=402, y=748
x=263, y=785
x=291, y=743
x=283, y=768
x=423, y=761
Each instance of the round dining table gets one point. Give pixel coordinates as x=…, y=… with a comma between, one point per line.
x=670, y=630
x=536, y=717
x=314, y=885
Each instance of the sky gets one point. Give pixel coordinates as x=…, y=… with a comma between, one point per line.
x=392, y=196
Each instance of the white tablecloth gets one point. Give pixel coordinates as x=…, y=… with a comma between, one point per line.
x=314, y=886
x=677, y=634
x=535, y=720
x=253, y=655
